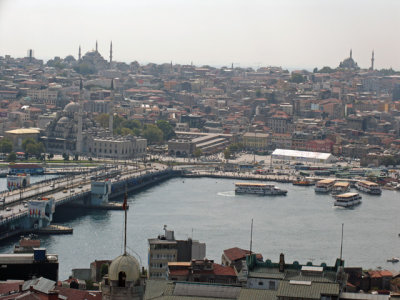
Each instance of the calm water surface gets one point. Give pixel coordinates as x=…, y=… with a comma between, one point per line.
x=303, y=225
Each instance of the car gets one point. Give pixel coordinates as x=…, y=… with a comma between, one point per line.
x=8, y=208
x=26, y=205
x=65, y=191
x=72, y=190
x=52, y=185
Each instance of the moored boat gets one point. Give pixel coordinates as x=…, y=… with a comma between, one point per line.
x=262, y=189
x=302, y=182
x=340, y=187
x=347, y=199
x=368, y=187
x=393, y=260
x=324, y=186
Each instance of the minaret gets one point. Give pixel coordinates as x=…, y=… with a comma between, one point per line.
x=79, y=53
x=79, y=134
x=111, y=117
x=110, y=53
x=372, y=60
x=96, y=47
x=351, y=53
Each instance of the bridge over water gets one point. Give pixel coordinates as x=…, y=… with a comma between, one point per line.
x=27, y=213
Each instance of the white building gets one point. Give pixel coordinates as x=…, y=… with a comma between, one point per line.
x=302, y=156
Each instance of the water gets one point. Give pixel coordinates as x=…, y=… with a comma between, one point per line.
x=303, y=225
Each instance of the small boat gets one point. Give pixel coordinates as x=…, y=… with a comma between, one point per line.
x=302, y=182
x=393, y=260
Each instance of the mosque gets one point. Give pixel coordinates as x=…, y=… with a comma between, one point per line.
x=350, y=64
x=74, y=131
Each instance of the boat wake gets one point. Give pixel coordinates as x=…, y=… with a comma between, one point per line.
x=227, y=194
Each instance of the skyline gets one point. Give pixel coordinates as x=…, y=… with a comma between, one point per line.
x=217, y=33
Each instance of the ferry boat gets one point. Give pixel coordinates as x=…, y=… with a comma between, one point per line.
x=324, y=186
x=302, y=182
x=347, y=199
x=368, y=187
x=262, y=189
x=340, y=187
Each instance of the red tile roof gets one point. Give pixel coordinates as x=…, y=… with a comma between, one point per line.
x=236, y=253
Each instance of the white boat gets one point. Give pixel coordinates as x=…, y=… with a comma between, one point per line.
x=324, y=186
x=347, y=199
x=262, y=189
x=368, y=187
x=393, y=260
x=340, y=187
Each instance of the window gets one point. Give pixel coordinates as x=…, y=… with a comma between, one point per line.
x=121, y=279
x=260, y=283
x=272, y=285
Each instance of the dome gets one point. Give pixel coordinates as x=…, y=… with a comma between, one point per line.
x=127, y=264
x=72, y=107
x=63, y=120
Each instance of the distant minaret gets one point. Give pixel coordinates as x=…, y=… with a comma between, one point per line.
x=110, y=53
x=79, y=135
x=351, y=53
x=232, y=66
x=79, y=53
x=96, y=47
x=111, y=117
x=372, y=60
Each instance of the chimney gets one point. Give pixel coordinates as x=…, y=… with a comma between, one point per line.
x=281, y=262
x=20, y=287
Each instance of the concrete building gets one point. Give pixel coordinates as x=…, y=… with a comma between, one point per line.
x=186, y=143
x=255, y=141
x=123, y=147
x=17, y=136
x=165, y=248
x=201, y=271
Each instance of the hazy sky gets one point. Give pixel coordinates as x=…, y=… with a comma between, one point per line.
x=289, y=33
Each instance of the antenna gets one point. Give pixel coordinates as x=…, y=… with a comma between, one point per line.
x=341, y=246
x=251, y=236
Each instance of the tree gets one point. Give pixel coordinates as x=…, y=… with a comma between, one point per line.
x=35, y=148
x=26, y=142
x=12, y=157
x=297, y=78
x=126, y=131
x=166, y=128
x=65, y=156
x=153, y=134
x=326, y=69
x=103, y=120
x=227, y=153
x=197, y=153
x=76, y=157
x=6, y=146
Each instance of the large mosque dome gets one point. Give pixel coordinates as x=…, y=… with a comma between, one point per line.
x=126, y=264
x=72, y=107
